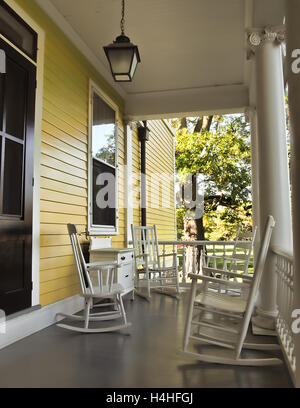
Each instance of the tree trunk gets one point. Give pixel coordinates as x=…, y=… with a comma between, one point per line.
x=193, y=227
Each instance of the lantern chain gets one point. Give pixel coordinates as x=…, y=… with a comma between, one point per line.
x=123, y=17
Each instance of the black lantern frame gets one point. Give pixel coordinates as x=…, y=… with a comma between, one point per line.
x=122, y=55
x=122, y=49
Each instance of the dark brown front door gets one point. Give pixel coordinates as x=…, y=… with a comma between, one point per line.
x=17, y=103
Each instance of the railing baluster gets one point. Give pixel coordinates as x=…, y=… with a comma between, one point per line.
x=285, y=295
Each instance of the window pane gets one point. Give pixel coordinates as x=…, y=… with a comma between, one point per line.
x=17, y=31
x=13, y=178
x=103, y=132
x=14, y=102
x=104, y=194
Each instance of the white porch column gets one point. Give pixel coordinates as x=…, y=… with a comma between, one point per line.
x=274, y=192
x=251, y=118
x=293, y=74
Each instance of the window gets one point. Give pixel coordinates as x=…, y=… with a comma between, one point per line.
x=103, y=217
x=17, y=31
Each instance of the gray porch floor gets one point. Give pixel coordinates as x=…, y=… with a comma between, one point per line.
x=146, y=358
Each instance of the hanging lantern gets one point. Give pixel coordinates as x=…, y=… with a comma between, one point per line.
x=122, y=55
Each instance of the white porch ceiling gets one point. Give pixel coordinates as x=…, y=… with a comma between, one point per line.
x=193, y=52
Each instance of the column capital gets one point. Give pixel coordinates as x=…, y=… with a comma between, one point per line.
x=258, y=37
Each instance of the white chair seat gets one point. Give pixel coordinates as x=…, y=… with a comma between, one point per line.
x=106, y=291
x=223, y=302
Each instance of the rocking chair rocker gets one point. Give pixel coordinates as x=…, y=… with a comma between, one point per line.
x=94, y=289
x=221, y=321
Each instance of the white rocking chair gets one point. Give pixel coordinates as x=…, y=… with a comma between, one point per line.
x=102, y=286
x=152, y=271
x=244, y=242
x=220, y=321
x=237, y=262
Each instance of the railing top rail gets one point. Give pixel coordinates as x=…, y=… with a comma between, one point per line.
x=281, y=252
x=199, y=242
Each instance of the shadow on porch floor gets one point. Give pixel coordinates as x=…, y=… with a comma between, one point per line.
x=146, y=358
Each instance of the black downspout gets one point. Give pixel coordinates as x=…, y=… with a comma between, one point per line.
x=143, y=133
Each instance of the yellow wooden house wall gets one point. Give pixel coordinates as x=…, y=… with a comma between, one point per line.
x=160, y=165
x=64, y=160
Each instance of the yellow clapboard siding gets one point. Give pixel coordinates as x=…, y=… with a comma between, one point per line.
x=54, y=240
x=62, y=187
x=59, y=294
x=160, y=164
x=72, y=92
x=57, y=273
x=62, y=57
x=64, y=157
x=55, y=251
x=60, y=75
x=61, y=166
x=57, y=105
x=59, y=134
x=63, y=177
x=64, y=126
x=74, y=102
x=54, y=284
x=55, y=229
x=57, y=197
x=50, y=206
x=56, y=262
x=65, y=70
x=70, y=107
x=64, y=147
x=66, y=117
x=53, y=218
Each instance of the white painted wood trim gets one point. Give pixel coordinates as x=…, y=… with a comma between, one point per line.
x=101, y=230
x=37, y=150
x=186, y=102
x=27, y=324
x=129, y=186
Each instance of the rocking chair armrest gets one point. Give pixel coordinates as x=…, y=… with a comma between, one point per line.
x=230, y=274
x=196, y=276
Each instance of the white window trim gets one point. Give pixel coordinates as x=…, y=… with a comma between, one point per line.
x=100, y=229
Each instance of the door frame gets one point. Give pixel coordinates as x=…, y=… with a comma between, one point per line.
x=35, y=296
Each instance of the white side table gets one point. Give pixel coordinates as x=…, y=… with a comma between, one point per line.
x=124, y=257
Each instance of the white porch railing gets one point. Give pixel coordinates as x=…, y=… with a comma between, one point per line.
x=285, y=297
x=212, y=249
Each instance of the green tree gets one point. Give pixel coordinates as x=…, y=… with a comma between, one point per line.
x=218, y=148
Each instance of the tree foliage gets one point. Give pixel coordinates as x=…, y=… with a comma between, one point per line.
x=222, y=155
